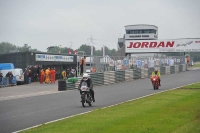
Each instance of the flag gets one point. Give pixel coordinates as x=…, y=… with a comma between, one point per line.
x=74, y=51
x=69, y=51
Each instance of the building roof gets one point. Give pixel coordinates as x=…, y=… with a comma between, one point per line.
x=140, y=25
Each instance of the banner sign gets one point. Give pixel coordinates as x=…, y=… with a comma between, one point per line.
x=178, y=45
x=118, y=64
x=151, y=63
x=126, y=62
x=111, y=63
x=46, y=57
x=171, y=62
x=138, y=63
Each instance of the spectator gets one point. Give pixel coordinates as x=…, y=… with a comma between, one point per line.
x=53, y=73
x=82, y=62
x=47, y=73
x=64, y=74
x=8, y=74
x=29, y=74
x=1, y=76
x=11, y=75
x=42, y=76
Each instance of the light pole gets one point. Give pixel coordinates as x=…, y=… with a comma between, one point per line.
x=59, y=49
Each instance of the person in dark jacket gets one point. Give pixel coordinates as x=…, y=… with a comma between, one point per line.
x=89, y=84
x=29, y=74
x=1, y=77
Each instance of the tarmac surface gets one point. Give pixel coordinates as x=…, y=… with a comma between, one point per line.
x=29, y=105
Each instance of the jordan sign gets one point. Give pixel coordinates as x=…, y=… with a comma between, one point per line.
x=178, y=45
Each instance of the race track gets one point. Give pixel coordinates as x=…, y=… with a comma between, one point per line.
x=22, y=112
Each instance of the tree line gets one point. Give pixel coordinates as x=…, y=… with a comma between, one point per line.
x=6, y=47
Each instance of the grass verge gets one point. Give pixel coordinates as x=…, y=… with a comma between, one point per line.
x=176, y=111
x=196, y=65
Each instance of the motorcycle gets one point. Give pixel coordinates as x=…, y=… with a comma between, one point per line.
x=155, y=82
x=85, y=94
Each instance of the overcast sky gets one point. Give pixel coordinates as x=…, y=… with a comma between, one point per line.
x=43, y=23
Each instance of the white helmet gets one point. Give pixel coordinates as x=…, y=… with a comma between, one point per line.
x=85, y=76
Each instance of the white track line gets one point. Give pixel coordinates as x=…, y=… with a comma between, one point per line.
x=28, y=95
x=102, y=108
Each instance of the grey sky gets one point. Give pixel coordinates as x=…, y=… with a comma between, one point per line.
x=43, y=23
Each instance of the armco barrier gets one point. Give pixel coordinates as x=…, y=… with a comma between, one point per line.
x=136, y=73
x=128, y=74
x=167, y=70
x=106, y=78
x=150, y=70
x=111, y=77
x=94, y=78
x=176, y=68
x=172, y=69
x=100, y=79
x=78, y=82
x=97, y=78
x=70, y=85
x=180, y=68
x=162, y=70
x=184, y=67
x=119, y=76
x=142, y=73
x=146, y=73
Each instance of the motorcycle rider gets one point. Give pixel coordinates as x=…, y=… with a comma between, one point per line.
x=89, y=84
x=156, y=72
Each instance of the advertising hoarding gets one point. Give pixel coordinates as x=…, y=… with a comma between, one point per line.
x=178, y=45
x=47, y=57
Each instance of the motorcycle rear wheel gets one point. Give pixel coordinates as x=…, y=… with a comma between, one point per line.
x=90, y=104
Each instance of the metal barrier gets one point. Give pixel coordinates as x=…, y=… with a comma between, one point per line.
x=8, y=81
x=110, y=77
x=180, y=68
x=1, y=82
x=172, y=69
x=115, y=63
x=176, y=68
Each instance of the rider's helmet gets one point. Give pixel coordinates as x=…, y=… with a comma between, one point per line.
x=155, y=71
x=85, y=76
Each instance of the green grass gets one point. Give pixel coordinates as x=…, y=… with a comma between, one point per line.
x=196, y=65
x=193, y=86
x=176, y=111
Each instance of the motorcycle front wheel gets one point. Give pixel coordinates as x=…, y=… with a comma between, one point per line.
x=154, y=85
x=83, y=99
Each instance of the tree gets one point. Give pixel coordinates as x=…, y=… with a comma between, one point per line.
x=6, y=47
x=66, y=50
x=98, y=53
x=86, y=49
x=26, y=48
x=54, y=49
x=58, y=49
